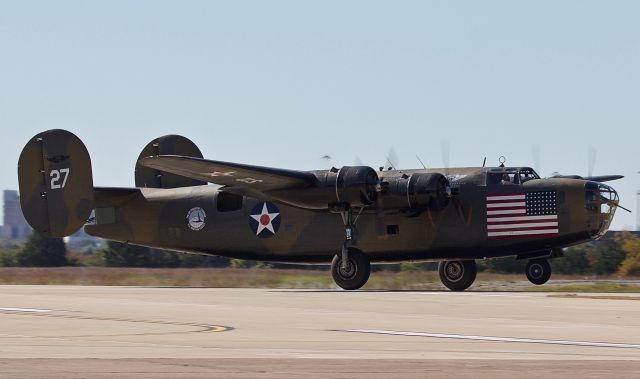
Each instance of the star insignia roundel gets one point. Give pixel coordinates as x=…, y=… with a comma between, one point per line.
x=265, y=220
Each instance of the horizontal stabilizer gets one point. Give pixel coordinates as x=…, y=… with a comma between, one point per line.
x=598, y=178
x=603, y=178
x=257, y=178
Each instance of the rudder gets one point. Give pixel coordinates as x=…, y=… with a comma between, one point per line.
x=56, y=183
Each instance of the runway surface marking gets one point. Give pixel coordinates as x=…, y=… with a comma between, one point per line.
x=197, y=327
x=31, y=310
x=497, y=339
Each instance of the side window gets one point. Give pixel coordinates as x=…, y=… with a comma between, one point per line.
x=228, y=202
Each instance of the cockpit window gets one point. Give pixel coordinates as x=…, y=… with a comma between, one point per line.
x=527, y=174
x=504, y=178
x=511, y=176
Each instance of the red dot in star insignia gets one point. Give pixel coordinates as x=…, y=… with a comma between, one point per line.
x=264, y=219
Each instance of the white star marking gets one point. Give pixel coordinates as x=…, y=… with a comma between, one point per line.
x=265, y=220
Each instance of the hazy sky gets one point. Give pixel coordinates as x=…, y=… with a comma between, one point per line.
x=281, y=83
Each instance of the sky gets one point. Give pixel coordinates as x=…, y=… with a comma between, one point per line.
x=282, y=83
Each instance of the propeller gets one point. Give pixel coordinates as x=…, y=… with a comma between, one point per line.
x=391, y=161
x=446, y=153
x=591, y=162
x=326, y=159
x=392, y=158
x=380, y=225
x=592, y=154
x=535, y=153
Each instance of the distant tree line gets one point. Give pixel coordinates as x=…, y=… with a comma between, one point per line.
x=618, y=255
x=41, y=251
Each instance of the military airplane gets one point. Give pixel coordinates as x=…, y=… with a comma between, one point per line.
x=349, y=216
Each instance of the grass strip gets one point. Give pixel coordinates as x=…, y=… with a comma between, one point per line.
x=289, y=278
x=602, y=286
x=598, y=297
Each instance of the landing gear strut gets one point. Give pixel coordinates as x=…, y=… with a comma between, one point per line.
x=351, y=267
x=538, y=271
x=347, y=221
x=352, y=273
x=457, y=275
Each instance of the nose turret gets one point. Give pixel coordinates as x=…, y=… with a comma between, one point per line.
x=601, y=202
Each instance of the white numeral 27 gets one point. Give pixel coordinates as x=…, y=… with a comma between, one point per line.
x=55, y=178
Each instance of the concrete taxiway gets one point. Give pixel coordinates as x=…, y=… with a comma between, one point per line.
x=67, y=331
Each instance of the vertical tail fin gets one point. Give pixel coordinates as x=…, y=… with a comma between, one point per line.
x=166, y=145
x=56, y=183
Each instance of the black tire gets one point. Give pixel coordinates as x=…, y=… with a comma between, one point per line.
x=457, y=275
x=357, y=272
x=538, y=271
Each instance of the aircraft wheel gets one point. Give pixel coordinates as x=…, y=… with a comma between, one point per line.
x=457, y=275
x=355, y=275
x=538, y=271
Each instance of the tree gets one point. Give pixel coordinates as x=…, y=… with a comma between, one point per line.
x=631, y=247
x=505, y=265
x=9, y=253
x=574, y=261
x=117, y=254
x=42, y=251
x=605, y=256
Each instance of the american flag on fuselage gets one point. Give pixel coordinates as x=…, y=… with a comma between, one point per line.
x=522, y=214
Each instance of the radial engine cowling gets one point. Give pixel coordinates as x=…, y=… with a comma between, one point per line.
x=354, y=185
x=419, y=191
x=350, y=186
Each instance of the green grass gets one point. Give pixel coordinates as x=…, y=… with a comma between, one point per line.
x=179, y=277
x=598, y=297
x=278, y=278
x=601, y=286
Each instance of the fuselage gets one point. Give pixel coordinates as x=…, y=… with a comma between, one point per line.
x=207, y=219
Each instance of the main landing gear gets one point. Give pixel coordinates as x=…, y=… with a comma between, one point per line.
x=351, y=267
x=538, y=271
x=352, y=273
x=457, y=275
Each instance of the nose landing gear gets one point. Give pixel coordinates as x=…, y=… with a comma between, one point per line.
x=538, y=271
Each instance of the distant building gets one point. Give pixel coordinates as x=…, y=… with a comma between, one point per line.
x=14, y=226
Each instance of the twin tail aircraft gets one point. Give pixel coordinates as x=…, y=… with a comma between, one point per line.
x=349, y=216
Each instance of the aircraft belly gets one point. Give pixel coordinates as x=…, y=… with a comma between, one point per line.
x=193, y=223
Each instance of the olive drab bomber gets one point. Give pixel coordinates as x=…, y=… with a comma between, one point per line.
x=349, y=216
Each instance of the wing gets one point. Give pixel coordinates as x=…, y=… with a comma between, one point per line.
x=255, y=178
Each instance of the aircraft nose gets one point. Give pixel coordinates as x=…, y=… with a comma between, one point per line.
x=601, y=201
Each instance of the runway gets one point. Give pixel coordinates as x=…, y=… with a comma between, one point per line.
x=69, y=331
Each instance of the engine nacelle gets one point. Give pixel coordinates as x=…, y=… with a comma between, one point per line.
x=419, y=191
x=354, y=186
